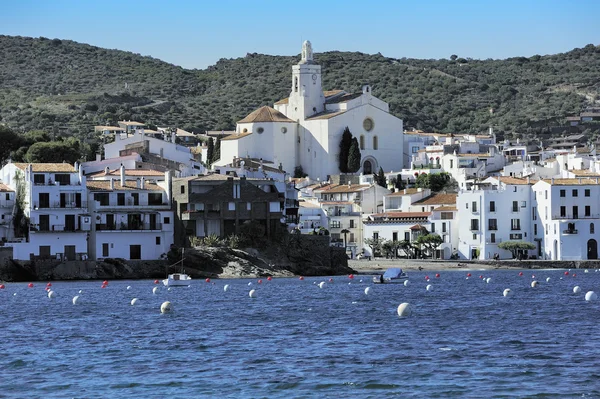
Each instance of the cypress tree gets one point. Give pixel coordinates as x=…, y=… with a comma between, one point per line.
x=380, y=178
x=210, y=152
x=345, y=144
x=354, y=157
x=217, y=150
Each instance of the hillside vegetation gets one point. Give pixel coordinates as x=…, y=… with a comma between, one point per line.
x=65, y=88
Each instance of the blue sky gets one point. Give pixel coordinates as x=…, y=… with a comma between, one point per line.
x=195, y=34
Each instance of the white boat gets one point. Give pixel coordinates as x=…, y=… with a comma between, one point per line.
x=177, y=279
x=392, y=275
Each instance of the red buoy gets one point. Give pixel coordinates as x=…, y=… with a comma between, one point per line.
x=520, y=273
x=426, y=277
x=574, y=274
x=269, y=278
x=566, y=273
x=207, y=280
x=105, y=282
x=1, y=286
x=437, y=275
x=480, y=276
x=351, y=276
x=300, y=278
x=331, y=280
x=49, y=285
x=103, y=286
x=259, y=281
x=468, y=274
x=30, y=285
x=155, y=281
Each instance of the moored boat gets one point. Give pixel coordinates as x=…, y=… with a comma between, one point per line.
x=392, y=275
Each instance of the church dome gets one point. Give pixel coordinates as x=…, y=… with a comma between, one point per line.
x=265, y=114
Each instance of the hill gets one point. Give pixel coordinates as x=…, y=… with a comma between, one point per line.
x=66, y=88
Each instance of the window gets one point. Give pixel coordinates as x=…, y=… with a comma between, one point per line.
x=475, y=224
x=545, y=194
x=336, y=224
x=39, y=178
x=515, y=224
x=451, y=163
x=563, y=193
x=467, y=205
x=523, y=204
x=433, y=227
x=474, y=236
x=588, y=211
x=515, y=206
x=102, y=198
x=493, y=237
x=591, y=228
x=368, y=124
x=574, y=192
x=284, y=130
x=376, y=235
x=167, y=220
x=64, y=179
x=182, y=189
x=575, y=212
x=375, y=142
x=157, y=240
x=406, y=236
x=443, y=227
x=492, y=206
x=535, y=229
x=260, y=130
x=105, y=250
x=534, y=213
x=492, y=224
x=395, y=236
x=120, y=199
x=474, y=207
x=563, y=211
x=516, y=236
x=587, y=192
x=415, y=150
x=351, y=223
x=362, y=142
x=155, y=199
x=446, y=215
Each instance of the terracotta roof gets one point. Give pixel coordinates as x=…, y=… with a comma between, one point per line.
x=132, y=123
x=130, y=185
x=430, y=134
x=283, y=101
x=485, y=155
x=445, y=208
x=4, y=188
x=343, y=98
x=305, y=204
x=236, y=136
x=265, y=114
x=47, y=167
x=584, y=173
x=439, y=198
x=325, y=115
x=327, y=93
x=109, y=128
x=130, y=172
x=220, y=177
x=514, y=180
x=572, y=182
x=417, y=227
x=344, y=188
x=400, y=193
x=402, y=215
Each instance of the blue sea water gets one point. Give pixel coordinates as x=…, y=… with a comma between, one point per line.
x=295, y=340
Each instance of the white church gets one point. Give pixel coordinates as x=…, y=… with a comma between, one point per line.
x=305, y=129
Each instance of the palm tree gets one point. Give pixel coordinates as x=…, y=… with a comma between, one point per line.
x=345, y=232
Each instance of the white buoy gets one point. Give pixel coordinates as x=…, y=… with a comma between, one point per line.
x=322, y=284
x=591, y=296
x=250, y=283
x=367, y=290
x=488, y=280
x=576, y=289
x=507, y=292
x=226, y=287
x=406, y=283
x=166, y=307
x=134, y=301
x=154, y=290
x=15, y=294
x=252, y=294
x=81, y=291
x=586, y=271
x=429, y=287
x=534, y=284
x=76, y=300
x=548, y=279
x=169, y=289
x=404, y=309
x=51, y=294
x=128, y=287
x=360, y=281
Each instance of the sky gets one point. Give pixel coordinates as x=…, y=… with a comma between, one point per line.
x=197, y=33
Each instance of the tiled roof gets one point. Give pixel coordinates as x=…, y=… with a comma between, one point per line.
x=344, y=188
x=326, y=94
x=132, y=123
x=130, y=172
x=109, y=128
x=400, y=193
x=514, y=180
x=47, y=167
x=236, y=136
x=343, y=98
x=481, y=155
x=325, y=115
x=445, y=208
x=283, y=101
x=4, y=188
x=417, y=227
x=439, y=198
x=130, y=185
x=584, y=173
x=305, y=204
x=402, y=215
x=265, y=114
x=572, y=182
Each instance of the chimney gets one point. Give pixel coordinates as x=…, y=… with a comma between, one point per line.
x=76, y=166
x=106, y=170
x=112, y=184
x=405, y=191
x=168, y=184
x=579, y=180
x=138, y=183
x=528, y=180
x=98, y=157
x=552, y=181
x=173, y=137
x=143, y=183
x=122, y=175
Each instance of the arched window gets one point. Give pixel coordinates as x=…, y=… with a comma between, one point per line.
x=591, y=228
x=375, y=142
x=437, y=160
x=367, y=168
x=431, y=160
x=362, y=142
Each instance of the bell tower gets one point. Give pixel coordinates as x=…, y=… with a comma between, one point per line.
x=306, y=98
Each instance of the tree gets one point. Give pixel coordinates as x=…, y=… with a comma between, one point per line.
x=299, y=172
x=400, y=185
x=345, y=233
x=409, y=249
x=379, y=178
x=430, y=242
x=375, y=244
x=10, y=143
x=54, y=152
x=345, y=144
x=354, y=157
x=217, y=151
x=453, y=57
x=210, y=152
x=434, y=181
x=516, y=246
x=390, y=248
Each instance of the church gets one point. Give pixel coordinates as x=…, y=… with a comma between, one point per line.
x=306, y=128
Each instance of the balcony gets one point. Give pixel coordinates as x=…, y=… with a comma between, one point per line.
x=59, y=205
x=7, y=204
x=55, y=228
x=130, y=204
x=497, y=241
x=575, y=216
x=129, y=227
x=570, y=231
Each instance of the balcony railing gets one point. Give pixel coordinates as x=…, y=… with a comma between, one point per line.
x=578, y=216
x=59, y=205
x=55, y=228
x=129, y=227
x=130, y=203
x=7, y=204
x=570, y=231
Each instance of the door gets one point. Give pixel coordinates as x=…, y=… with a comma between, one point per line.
x=110, y=221
x=153, y=222
x=135, y=252
x=70, y=252
x=592, y=249
x=44, y=200
x=45, y=251
x=69, y=223
x=44, y=222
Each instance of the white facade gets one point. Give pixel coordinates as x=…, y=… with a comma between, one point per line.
x=7, y=205
x=306, y=128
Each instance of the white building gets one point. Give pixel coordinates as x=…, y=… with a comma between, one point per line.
x=55, y=203
x=305, y=129
x=132, y=216
x=495, y=210
x=7, y=207
x=567, y=215
x=396, y=226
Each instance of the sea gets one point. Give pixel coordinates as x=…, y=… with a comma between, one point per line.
x=464, y=339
